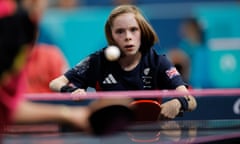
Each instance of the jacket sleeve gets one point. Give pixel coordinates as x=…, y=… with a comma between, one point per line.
x=168, y=76
x=83, y=75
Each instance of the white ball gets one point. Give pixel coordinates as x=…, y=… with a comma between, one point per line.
x=112, y=53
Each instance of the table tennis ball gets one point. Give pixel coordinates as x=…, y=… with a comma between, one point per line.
x=112, y=53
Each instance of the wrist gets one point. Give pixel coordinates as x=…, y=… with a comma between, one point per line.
x=184, y=104
x=67, y=88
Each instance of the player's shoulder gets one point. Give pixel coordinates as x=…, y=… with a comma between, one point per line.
x=97, y=58
x=154, y=57
x=98, y=55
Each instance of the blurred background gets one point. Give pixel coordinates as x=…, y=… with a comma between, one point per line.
x=201, y=37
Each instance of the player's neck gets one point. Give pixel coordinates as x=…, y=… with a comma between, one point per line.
x=128, y=63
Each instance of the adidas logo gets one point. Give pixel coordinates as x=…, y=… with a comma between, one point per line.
x=109, y=80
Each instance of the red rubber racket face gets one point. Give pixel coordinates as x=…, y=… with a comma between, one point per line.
x=110, y=119
x=146, y=110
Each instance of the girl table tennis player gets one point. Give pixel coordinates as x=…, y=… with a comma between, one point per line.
x=139, y=67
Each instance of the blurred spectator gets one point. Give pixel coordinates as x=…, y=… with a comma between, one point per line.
x=121, y=2
x=192, y=42
x=192, y=36
x=35, y=8
x=65, y=4
x=181, y=61
x=45, y=61
x=68, y=4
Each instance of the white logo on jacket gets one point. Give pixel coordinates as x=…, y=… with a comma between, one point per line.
x=147, y=79
x=109, y=79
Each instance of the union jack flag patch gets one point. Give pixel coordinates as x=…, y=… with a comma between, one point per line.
x=172, y=72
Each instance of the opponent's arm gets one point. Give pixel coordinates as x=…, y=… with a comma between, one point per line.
x=30, y=112
x=90, y=118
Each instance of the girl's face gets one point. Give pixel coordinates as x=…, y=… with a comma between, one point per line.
x=126, y=34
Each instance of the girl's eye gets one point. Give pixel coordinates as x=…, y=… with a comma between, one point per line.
x=119, y=31
x=134, y=29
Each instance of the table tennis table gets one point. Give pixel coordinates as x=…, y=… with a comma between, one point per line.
x=216, y=121
x=162, y=132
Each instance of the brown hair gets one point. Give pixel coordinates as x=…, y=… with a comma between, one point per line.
x=16, y=31
x=148, y=35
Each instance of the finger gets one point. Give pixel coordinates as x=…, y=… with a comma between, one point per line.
x=76, y=94
x=166, y=113
x=79, y=91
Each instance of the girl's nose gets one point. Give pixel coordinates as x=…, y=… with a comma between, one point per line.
x=128, y=36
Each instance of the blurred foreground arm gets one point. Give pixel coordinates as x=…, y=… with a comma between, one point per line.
x=30, y=112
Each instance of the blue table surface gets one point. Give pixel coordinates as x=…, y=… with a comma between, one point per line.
x=178, y=131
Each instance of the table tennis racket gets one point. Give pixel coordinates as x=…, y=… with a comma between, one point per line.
x=110, y=115
x=146, y=110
